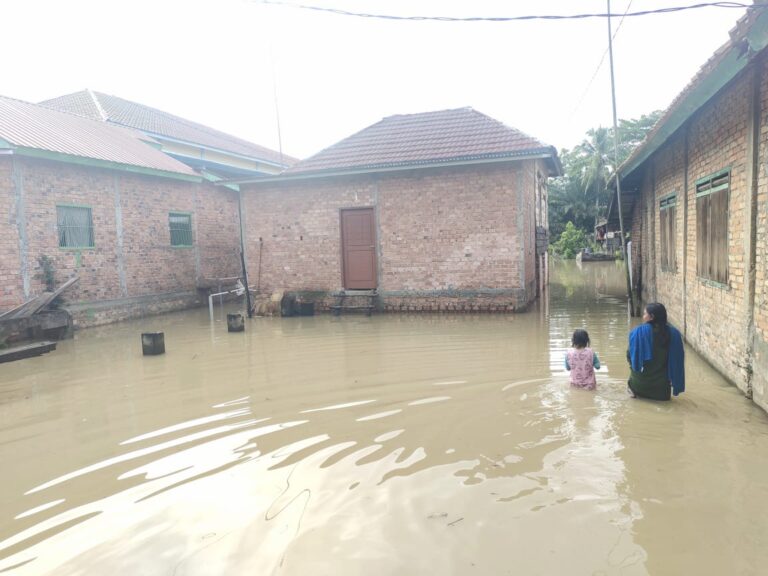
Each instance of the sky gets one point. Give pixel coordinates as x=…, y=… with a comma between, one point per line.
x=300, y=80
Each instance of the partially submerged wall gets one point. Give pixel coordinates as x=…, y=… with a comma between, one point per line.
x=449, y=238
x=131, y=269
x=727, y=323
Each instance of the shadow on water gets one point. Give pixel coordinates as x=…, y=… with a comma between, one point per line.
x=391, y=444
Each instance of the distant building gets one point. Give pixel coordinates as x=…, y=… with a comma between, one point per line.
x=131, y=212
x=441, y=210
x=695, y=197
x=212, y=153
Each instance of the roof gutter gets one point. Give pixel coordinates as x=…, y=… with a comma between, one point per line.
x=737, y=57
x=382, y=169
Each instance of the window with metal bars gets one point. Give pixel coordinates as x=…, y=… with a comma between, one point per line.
x=180, y=226
x=712, y=195
x=668, y=232
x=75, y=226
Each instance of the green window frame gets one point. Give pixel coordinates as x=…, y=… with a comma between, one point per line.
x=712, y=195
x=180, y=228
x=668, y=232
x=75, y=226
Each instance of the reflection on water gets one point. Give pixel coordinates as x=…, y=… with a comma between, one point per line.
x=448, y=444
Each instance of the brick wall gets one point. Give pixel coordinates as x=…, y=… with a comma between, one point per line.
x=759, y=362
x=449, y=237
x=714, y=317
x=718, y=139
x=132, y=257
x=10, y=264
x=669, y=178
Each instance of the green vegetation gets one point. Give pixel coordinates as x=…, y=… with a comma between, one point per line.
x=581, y=196
x=571, y=241
x=47, y=273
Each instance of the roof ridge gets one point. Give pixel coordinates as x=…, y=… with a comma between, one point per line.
x=188, y=122
x=508, y=127
x=99, y=109
x=67, y=112
x=429, y=112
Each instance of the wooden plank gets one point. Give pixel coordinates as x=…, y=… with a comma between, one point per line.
x=26, y=351
x=38, y=302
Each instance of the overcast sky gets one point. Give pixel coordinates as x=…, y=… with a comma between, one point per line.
x=221, y=62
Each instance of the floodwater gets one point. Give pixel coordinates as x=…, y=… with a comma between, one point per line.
x=413, y=444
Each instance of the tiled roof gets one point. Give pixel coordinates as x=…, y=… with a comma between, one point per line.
x=117, y=110
x=444, y=136
x=27, y=125
x=719, y=69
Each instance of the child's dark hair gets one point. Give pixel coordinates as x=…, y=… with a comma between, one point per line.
x=580, y=338
x=659, y=314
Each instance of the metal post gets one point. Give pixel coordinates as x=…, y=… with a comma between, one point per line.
x=616, y=163
x=242, y=254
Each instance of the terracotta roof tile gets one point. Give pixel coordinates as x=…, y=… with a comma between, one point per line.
x=461, y=134
x=153, y=121
x=27, y=125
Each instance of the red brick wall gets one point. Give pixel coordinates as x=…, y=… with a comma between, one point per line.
x=669, y=178
x=459, y=235
x=717, y=140
x=715, y=316
x=10, y=264
x=146, y=264
x=760, y=360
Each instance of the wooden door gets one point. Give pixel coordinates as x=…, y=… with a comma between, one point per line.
x=358, y=241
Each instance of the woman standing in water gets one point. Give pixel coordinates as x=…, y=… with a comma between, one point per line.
x=656, y=357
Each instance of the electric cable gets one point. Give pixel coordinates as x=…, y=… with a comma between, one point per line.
x=667, y=10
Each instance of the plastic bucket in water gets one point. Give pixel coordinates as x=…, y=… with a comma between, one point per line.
x=153, y=343
x=235, y=323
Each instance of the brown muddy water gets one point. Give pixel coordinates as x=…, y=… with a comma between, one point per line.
x=422, y=444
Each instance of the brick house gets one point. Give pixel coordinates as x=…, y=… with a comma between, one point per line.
x=435, y=211
x=140, y=227
x=695, y=197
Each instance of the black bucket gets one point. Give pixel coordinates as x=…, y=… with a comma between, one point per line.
x=153, y=343
x=235, y=323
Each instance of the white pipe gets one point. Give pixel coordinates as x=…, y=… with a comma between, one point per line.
x=239, y=290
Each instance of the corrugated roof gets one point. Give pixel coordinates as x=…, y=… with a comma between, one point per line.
x=461, y=134
x=123, y=112
x=27, y=125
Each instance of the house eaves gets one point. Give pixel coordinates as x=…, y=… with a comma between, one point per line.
x=8, y=149
x=748, y=39
x=202, y=147
x=548, y=153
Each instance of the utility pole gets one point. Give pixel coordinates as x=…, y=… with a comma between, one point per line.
x=616, y=163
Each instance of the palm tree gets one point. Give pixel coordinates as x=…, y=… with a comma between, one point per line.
x=597, y=168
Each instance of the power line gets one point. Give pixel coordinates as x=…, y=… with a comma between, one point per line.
x=667, y=10
x=599, y=65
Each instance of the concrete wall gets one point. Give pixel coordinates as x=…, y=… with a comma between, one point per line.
x=132, y=268
x=459, y=237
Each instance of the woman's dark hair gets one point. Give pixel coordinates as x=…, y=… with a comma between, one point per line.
x=580, y=338
x=659, y=319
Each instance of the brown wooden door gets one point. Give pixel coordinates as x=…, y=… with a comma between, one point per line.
x=358, y=241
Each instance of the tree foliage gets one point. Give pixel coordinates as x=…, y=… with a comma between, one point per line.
x=571, y=242
x=581, y=195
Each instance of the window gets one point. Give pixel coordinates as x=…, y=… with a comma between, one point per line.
x=75, y=225
x=180, y=225
x=712, y=226
x=668, y=225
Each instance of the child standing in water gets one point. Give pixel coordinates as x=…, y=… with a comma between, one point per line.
x=581, y=361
